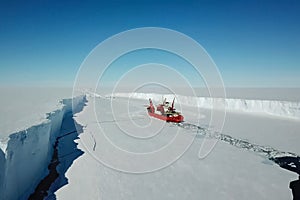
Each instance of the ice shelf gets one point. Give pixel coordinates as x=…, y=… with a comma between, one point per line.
x=25, y=155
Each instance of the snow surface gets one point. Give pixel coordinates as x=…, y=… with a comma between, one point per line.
x=31, y=119
x=25, y=154
x=227, y=173
x=22, y=108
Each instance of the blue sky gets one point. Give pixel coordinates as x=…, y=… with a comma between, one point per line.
x=253, y=43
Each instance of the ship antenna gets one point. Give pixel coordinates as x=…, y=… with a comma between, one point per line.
x=173, y=104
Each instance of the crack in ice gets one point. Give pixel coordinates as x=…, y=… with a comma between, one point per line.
x=284, y=159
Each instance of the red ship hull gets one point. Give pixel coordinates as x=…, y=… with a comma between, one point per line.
x=176, y=119
x=164, y=112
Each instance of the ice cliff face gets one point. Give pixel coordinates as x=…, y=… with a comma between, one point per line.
x=25, y=155
x=277, y=108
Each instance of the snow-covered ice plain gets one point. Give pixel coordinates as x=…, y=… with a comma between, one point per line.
x=229, y=172
x=238, y=167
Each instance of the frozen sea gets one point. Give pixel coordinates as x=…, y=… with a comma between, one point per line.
x=228, y=172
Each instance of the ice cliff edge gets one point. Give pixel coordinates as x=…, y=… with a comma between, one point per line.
x=272, y=107
x=25, y=155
